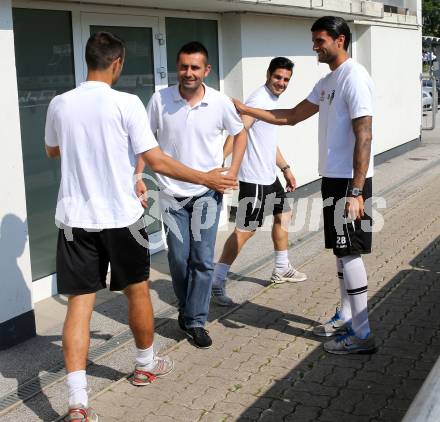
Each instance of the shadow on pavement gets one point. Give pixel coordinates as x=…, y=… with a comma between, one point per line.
x=380, y=387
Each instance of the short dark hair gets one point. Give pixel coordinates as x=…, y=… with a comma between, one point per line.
x=280, y=63
x=102, y=49
x=193, y=47
x=334, y=26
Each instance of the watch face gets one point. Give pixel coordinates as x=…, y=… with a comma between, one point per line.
x=356, y=192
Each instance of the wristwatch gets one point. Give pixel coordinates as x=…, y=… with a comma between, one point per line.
x=283, y=169
x=355, y=192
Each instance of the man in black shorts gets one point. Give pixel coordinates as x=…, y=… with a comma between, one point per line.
x=261, y=193
x=343, y=99
x=98, y=132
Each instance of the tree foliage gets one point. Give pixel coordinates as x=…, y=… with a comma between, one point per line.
x=431, y=18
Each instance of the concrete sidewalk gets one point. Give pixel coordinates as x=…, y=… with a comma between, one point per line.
x=265, y=364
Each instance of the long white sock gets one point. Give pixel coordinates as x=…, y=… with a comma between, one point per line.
x=77, y=387
x=281, y=261
x=356, y=282
x=220, y=274
x=345, y=308
x=145, y=357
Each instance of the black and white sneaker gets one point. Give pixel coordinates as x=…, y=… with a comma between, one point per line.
x=199, y=337
x=291, y=275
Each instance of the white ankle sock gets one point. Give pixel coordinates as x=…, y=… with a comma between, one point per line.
x=145, y=357
x=77, y=387
x=281, y=261
x=356, y=282
x=220, y=274
x=345, y=309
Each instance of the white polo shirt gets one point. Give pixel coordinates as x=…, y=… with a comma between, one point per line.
x=343, y=95
x=191, y=135
x=259, y=161
x=99, y=131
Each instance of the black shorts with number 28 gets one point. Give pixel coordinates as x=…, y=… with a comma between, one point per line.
x=344, y=236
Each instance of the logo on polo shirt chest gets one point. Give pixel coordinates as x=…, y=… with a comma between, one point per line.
x=331, y=97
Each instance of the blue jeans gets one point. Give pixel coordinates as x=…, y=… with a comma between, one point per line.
x=191, y=229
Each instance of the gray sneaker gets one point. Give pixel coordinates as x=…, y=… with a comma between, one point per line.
x=291, y=274
x=350, y=344
x=163, y=365
x=334, y=326
x=79, y=413
x=220, y=297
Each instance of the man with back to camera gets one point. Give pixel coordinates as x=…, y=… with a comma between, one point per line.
x=344, y=100
x=189, y=119
x=98, y=132
x=261, y=192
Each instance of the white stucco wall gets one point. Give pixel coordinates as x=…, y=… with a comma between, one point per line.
x=396, y=74
x=15, y=267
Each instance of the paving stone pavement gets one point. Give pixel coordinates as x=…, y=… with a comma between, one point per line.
x=265, y=365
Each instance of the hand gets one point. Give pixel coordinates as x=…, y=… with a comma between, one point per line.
x=354, y=207
x=142, y=192
x=219, y=180
x=238, y=105
x=290, y=180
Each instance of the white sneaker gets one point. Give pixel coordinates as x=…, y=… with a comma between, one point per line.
x=291, y=274
x=334, y=326
x=220, y=297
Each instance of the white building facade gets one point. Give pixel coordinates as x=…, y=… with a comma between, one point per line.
x=42, y=45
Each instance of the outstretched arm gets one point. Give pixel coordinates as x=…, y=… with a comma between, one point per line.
x=162, y=163
x=292, y=116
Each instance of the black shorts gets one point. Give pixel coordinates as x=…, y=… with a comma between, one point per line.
x=83, y=258
x=344, y=236
x=256, y=202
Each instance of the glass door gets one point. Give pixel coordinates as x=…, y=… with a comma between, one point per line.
x=142, y=75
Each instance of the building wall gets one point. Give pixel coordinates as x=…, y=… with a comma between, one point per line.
x=15, y=268
x=396, y=75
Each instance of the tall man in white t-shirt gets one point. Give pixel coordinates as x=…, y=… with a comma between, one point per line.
x=188, y=120
x=98, y=132
x=344, y=100
x=261, y=193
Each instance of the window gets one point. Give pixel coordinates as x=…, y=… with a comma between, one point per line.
x=44, y=63
x=180, y=31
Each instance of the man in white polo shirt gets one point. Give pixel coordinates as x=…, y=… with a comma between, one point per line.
x=98, y=132
x=261, y=193
x=189, y=119
x=344, y=100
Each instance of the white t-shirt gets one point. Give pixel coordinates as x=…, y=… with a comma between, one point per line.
x=342, y=95
x=259, y=161
x=99, y=131
x=191, y=135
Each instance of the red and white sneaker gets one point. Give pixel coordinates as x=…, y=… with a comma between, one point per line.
x=163, y=365
x=78, y=413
